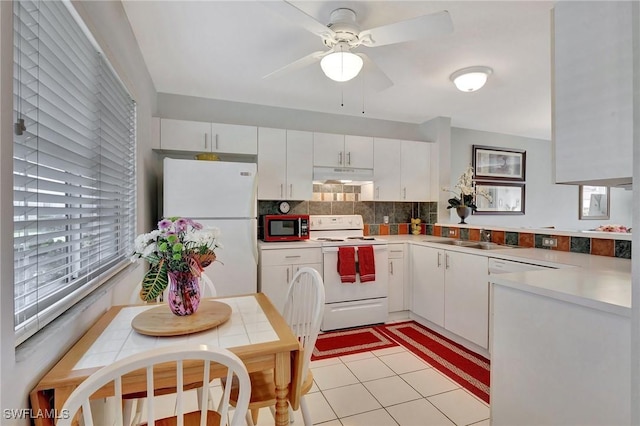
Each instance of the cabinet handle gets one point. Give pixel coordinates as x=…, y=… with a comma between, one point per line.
x=391, y=265
x=292, y=257
x=216, y=141
x=439, y=259
x=281, y=190
x=206, y=142
x=396, y=251
x=349, y=158
x=378, y=192
x=290, y=190
x=446, y=261
x=340, y=158
x=287, y=275
x=404, y=195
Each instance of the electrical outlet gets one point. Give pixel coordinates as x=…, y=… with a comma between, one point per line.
x=452, y=232
x=549, y=242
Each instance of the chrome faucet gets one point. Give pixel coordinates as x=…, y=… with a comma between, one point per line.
x=485, y=235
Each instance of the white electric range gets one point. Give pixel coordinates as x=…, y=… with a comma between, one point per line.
x=350, y=304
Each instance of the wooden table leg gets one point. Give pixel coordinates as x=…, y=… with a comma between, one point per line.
x=40, y=404
x=282, y=379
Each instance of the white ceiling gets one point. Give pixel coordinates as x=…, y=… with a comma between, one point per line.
x=222, y=49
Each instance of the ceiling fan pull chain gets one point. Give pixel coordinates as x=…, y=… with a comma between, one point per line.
x=363, y=91
x=341, y=97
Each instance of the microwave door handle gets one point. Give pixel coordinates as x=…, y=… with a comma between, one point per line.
x=299, y=227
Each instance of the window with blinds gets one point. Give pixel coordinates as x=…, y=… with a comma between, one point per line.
x=74, y=164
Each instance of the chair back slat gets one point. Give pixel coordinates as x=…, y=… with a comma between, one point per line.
x=303, y=311
x=236, y=370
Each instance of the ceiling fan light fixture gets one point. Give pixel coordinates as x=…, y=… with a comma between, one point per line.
x=471, y=79
x=341, y=66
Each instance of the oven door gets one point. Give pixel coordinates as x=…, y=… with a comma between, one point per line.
x=336, y=291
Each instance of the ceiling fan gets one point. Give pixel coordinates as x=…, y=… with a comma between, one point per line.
x=343, y=34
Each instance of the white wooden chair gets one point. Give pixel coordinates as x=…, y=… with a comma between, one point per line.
x=207, y=290
x=303, y=311
x=114, y=373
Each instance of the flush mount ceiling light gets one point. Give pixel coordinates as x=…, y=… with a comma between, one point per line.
x=341, y=65
x=470, y=79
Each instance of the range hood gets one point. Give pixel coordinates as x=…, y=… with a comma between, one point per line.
x=342, y=175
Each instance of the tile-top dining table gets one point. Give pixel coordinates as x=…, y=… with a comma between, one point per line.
x=256, y=332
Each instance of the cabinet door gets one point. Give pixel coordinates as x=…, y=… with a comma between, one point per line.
x=427, y=279
x=234, y=139
x=415, y=171
x=386, y=169
x=274, y=282
x=272, y=161
x=185, y=135
x=328, y=150
x=316, y=266
x=593, y=98
x=396, y=285
x=299, y=165
x=467, y=297
x=358, y=151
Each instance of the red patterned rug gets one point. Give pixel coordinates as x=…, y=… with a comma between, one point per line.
x=338, y=343
x=457, y=362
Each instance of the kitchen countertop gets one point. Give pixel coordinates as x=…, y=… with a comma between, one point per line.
x=598, y=282
x=263, y=245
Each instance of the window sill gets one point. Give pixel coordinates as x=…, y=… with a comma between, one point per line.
x=45, y=338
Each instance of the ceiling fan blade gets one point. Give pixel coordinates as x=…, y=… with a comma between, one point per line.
x=411, y=29
x=300, y=18
x=303, y=62
x=373, y=75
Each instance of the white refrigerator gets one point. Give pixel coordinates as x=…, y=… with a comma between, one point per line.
x=220, y=194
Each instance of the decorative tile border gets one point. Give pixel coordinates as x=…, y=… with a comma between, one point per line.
x=574, y=244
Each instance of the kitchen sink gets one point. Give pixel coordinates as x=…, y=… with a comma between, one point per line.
x=483, y=245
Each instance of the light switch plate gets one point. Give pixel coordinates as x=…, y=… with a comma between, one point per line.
x=549, y=242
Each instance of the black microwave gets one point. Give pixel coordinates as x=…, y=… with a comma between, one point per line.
x=289, y=227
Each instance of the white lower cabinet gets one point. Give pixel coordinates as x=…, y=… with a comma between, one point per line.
x=451, y=289
x=278, y=266
x=397, y=291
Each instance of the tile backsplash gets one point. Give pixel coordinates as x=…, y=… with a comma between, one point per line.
x=574, y=244
x=345, y=199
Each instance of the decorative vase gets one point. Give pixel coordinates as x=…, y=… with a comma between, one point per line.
x=184, y=293
x=463, y=213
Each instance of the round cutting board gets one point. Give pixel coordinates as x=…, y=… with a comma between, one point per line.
x=160, y=321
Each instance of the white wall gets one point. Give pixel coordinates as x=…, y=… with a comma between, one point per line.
x=21, y=369
x=546, y=204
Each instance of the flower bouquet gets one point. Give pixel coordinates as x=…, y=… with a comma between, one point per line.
x=178, y=250
x=468, y=192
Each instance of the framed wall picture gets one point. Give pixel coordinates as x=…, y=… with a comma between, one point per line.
x=504, y=198
x=491, y=163
x=594, y=202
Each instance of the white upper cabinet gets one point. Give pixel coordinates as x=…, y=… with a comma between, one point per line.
x=593, y=92
x=299, y=165
x=386, y=170
x=199, y=136
x=184, y=135
x=284, y=164
x=415, y=171
x=331, y=150
x=402, y=171
x=234, y=139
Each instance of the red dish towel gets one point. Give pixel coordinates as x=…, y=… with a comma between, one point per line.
x=347, y=264
x=367, y=264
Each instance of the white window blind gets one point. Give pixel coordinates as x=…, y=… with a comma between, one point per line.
x=74, y=165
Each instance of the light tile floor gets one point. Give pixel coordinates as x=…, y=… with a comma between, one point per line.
x=386, y=387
